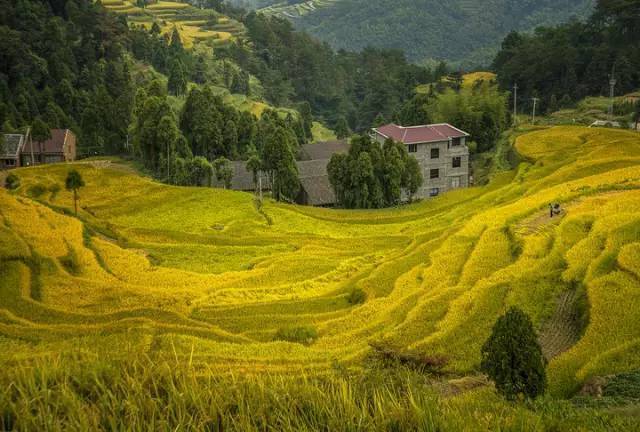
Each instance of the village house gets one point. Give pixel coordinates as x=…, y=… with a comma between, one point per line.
x=61, y=147
x=10, y=150
x=440, y=149
x=315, y=188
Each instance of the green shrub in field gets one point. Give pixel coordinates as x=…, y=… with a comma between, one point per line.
x=357, y=296
x=512, y=356
x=12, y=182
x=36, y=191
x=305, y=335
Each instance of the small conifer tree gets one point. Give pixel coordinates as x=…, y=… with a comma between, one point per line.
x=512, y=357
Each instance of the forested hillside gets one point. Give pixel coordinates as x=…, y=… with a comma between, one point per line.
x=468, y=32
x=563, y=64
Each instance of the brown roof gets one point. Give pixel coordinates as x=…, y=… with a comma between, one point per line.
x=323, y=150
x=420, y=134
x=55, y=144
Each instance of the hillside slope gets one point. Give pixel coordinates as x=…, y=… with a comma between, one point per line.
x=459, y=31
x=205, y=276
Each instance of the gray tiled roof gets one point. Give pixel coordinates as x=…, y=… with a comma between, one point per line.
x=323, y=150
x=314, y=179
x=12, y=144
x=313, y=175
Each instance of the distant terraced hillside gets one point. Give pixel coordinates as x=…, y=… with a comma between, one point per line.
x=205, y=276
x=193, y=24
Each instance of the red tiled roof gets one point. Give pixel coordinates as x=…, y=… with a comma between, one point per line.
x=55, y=144
x=420, y=134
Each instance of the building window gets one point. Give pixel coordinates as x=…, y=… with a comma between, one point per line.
x=456, y=142
x=435, y=153
x=434, y=192
x=457, y=162
x=455, y=182
x=10, y=162
x=435, y=173
x=413, y=148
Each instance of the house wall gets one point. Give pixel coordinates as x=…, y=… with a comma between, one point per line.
x=69, y=147
x=449, y=177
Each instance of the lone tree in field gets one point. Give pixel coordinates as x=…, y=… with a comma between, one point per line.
x=73, y=183
x=512, y=357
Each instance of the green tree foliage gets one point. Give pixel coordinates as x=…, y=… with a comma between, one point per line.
x=279, y=163
x=177, y=84
x=12, y=182
x=254, y=166
x=40, y=131
x=636, y=114
x=373, y=176
x=167, y=135
x=463, y=32
x=293, y=67
x=342, y=128
x=481, y=110
x=73, y=183
x=224, y=171
x=575, y=59
x=65, y=62
x=512, y=357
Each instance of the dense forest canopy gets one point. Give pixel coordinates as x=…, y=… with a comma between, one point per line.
x=464, y=32
x=565, y=63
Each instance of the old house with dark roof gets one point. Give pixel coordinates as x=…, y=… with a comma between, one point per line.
x=61, y=147
x=10, y=150
x=440, y=149
x=315, y=188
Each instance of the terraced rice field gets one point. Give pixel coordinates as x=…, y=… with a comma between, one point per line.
x=205, y=276
x=298, y=9
x=192, y=23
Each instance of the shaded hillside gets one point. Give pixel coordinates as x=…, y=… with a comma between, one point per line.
x=458, y=31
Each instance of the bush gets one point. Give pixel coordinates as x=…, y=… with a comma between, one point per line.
x=357, y=296
x=54, y=189
x=305, y=335
x=36, y=191
x=12, y=182
x=512, y=357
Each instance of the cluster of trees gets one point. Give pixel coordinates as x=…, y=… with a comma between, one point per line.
x=374, y=176
x=481, y=110
x=189, y=147
x=63, y=63
x=566, y=63
x=346, y=90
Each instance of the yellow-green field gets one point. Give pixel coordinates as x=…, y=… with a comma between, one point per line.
x=204, y=277
x=192, y=23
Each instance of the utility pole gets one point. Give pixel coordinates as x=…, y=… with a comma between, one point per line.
x=515, y=103
x=612, y=87
x=535, y=102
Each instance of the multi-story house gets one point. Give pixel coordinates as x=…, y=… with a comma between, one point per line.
x=441, y=151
